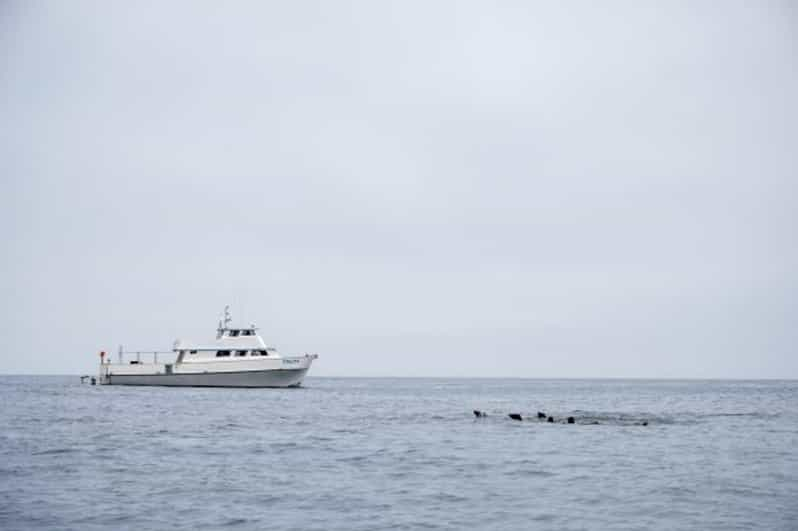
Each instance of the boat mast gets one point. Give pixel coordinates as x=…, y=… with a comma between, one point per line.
x=223, y=323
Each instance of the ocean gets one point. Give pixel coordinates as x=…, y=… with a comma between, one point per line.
x=383, y=453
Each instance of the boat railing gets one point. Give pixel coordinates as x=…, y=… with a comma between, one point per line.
x=125, y=355
x=122, y=355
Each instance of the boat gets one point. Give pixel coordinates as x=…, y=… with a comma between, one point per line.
x=238, y=357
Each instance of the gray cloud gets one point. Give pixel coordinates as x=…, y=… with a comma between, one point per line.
x=518, y=189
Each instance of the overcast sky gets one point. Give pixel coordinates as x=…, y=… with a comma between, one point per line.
x=509, y=188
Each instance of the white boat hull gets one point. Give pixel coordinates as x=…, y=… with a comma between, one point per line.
x=264, y=378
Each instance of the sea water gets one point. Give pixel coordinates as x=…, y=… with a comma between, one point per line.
x=352, y=453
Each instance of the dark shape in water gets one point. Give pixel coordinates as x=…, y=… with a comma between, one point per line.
x=516, y=416
x=550, y=419
x=541, y=415
x=644, y=423
x=478, y=413
x=571, y=420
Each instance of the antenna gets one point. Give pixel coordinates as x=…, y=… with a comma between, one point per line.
x=227, y=318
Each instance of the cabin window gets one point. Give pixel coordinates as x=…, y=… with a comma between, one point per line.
x=241, y=352
x=246, y=332
x=192, y=351
x=222, y=353
x=263, y=353
x=234, y=333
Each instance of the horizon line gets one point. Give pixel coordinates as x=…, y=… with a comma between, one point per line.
x=433, y=377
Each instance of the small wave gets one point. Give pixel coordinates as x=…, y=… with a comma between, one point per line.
x=227, y=426
x=619, y=418
x=234, y=522
x=320, y=438
x=56, y=451
x=531, y=473
x=754, y=414
x=284, y=446
x=449, y=498
x=353, y=459
x=8, y=472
